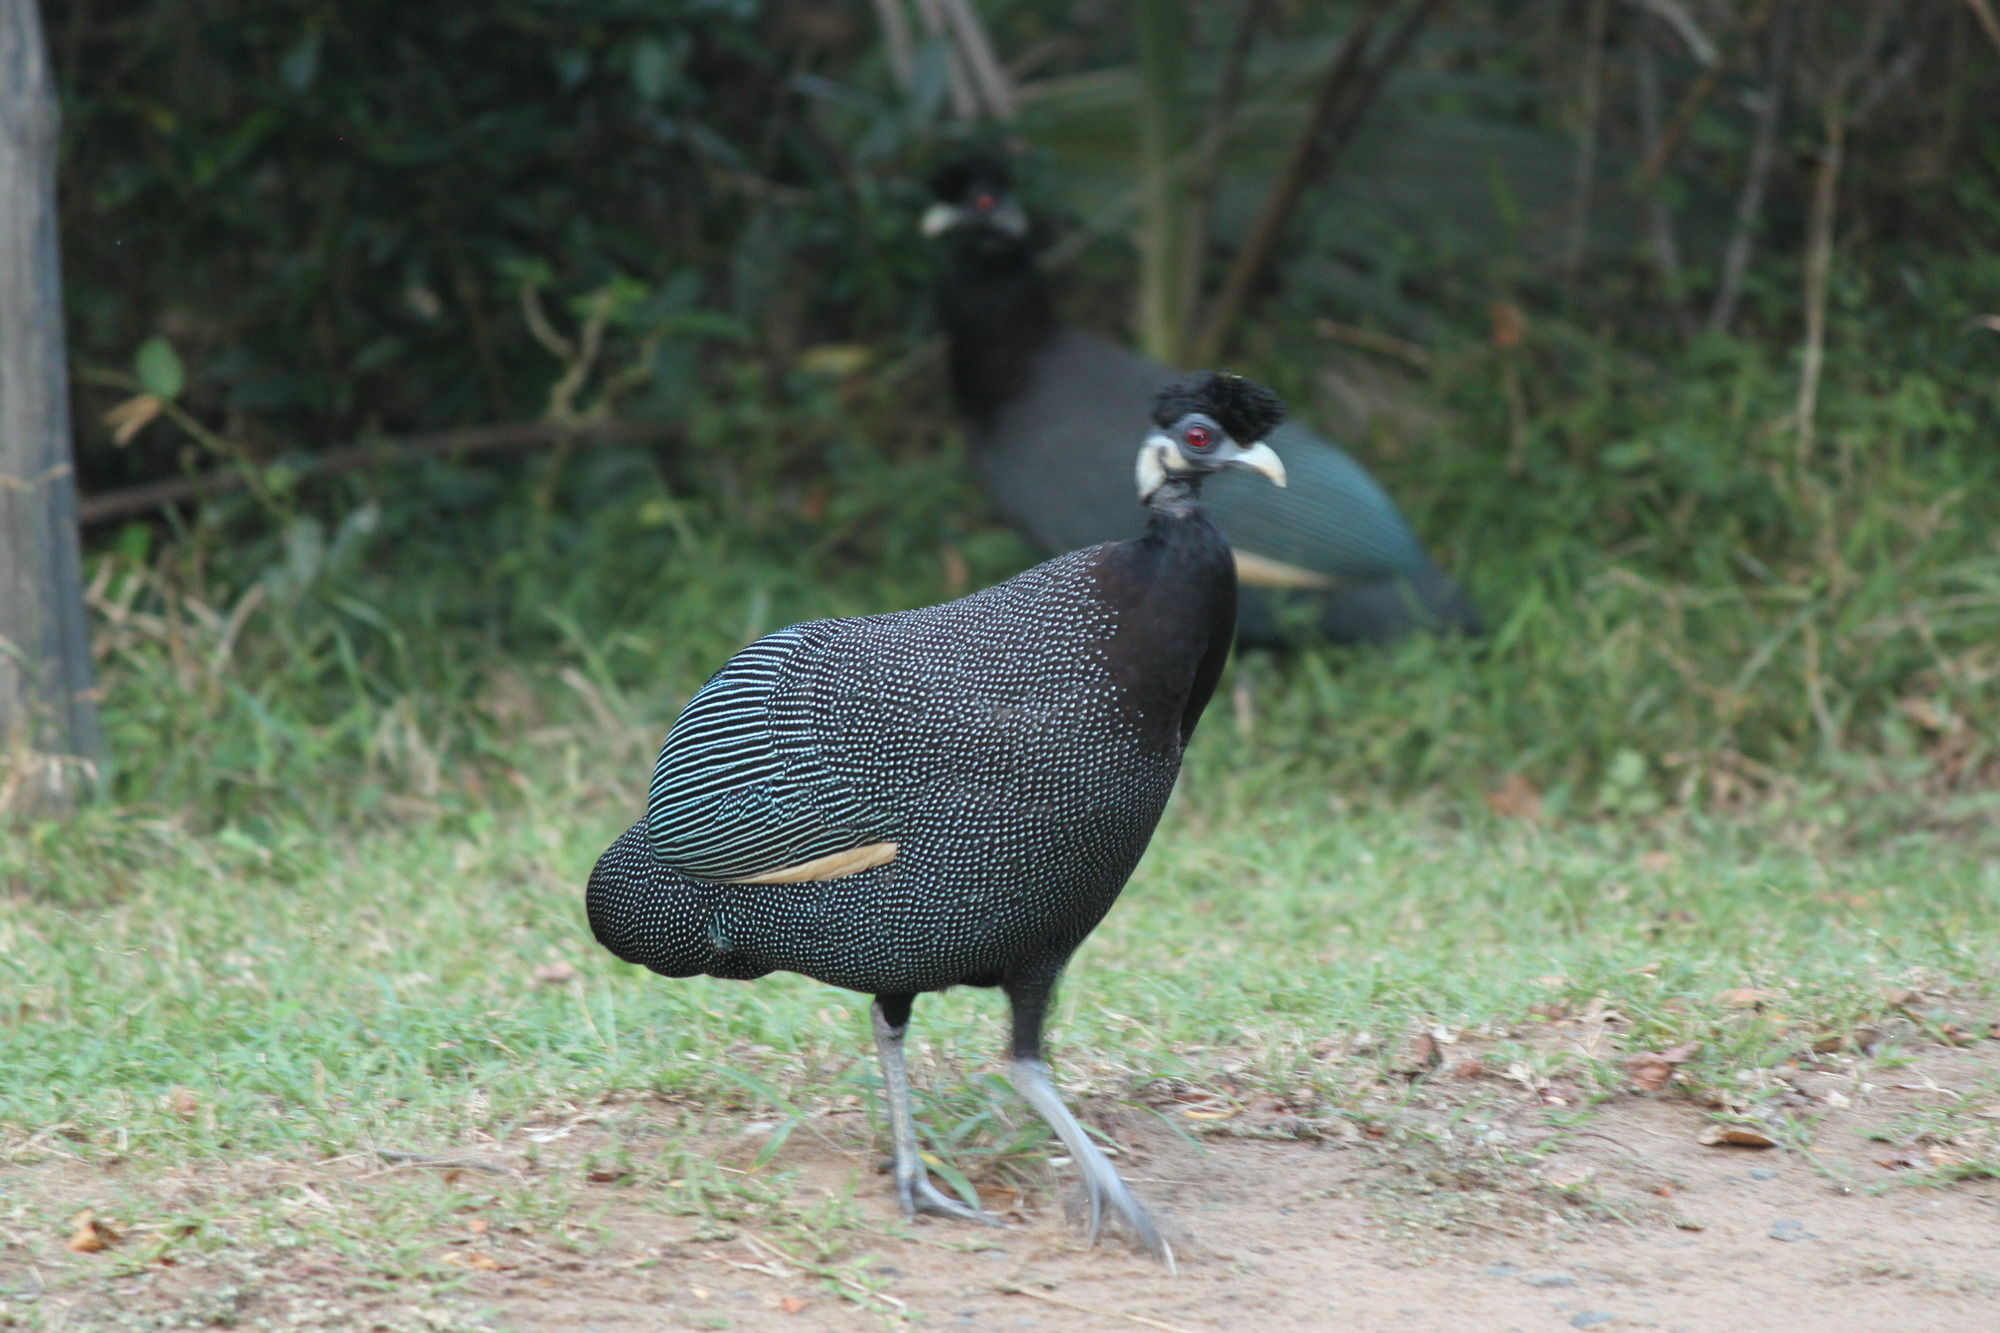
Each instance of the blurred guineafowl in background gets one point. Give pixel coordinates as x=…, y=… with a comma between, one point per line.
x=951, y=796
x=1045, y=406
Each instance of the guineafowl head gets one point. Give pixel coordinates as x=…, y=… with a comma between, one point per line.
x=975, y=203
x=1206, y=423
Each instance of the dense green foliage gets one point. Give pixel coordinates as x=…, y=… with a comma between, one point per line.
x=302, y=222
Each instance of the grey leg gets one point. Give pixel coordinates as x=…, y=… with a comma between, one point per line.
x=1029, y=996
x=891, y=1014
x=1100, y=1179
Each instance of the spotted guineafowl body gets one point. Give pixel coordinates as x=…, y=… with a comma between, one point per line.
x=953, y=795
x=991, y=739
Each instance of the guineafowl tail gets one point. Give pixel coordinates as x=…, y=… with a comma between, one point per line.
x=1332, y=555
x=645, y=914
x=1377, y=612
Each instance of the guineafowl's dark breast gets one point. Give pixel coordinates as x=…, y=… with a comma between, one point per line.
x=990, y=738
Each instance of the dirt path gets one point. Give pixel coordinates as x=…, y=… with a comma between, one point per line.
x=1629, y=1224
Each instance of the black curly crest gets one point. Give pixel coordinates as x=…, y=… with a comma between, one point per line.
x=966, y=175
x=1244, y=408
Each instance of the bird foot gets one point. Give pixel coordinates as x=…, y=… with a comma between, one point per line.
x=1101, y=1181
x=918, y=1195
x=1108, y=1191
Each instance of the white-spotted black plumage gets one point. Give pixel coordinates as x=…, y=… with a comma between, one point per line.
x=988, y=738
x=1016, y=748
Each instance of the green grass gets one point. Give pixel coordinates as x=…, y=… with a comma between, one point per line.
x=317, y=996
x=367, y=748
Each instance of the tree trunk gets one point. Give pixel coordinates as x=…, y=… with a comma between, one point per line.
x=49, y=738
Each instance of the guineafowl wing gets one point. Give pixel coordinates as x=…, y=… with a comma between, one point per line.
x=834, y=735
x=741, y=788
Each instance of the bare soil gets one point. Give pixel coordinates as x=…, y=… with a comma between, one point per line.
x=1624, y=1221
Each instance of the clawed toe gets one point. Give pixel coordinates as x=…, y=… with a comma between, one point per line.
x=920, y=1196
x=1111, y=1195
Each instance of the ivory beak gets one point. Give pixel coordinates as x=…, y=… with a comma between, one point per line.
x=939, y=219
x=1263, y=459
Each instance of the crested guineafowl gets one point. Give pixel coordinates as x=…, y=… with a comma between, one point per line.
x=1044, y=403
x=951, y=796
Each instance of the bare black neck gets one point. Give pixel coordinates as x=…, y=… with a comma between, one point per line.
x=997, y=315
x=1176, y=593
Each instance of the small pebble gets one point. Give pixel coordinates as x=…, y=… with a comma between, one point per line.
x=1502, y=1270
x=1591, y=1319
x=1790, y=1229
x=1549, y=1280
x=1762, y=1173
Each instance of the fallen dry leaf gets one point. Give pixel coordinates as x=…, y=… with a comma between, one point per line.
x=1657, y=862
x=1746, y=997
x=1510, y=326
x=1652, y=1070
x=185, y=1103
x=794, y=1304
x=477, y=1259
x=998, y=1198
x=1905, y=1159
x=1421, y=1057
x=1736, y=1136
x=131, y=416
x=555, y=974
x=1515, y=798
x=477, y=1225
x=88, y=1235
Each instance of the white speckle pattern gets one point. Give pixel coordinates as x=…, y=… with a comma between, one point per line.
x=985, y=736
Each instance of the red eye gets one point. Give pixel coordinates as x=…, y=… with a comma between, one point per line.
x=1200, y=437
x=985, y=203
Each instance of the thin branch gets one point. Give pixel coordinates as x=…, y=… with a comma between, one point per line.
x=1355, y=109
x=1164, y=255
x=1834, y=117
x=1659, y=219
x=1698, y=43
x=1886, y=81
x=896, y=35
x=1208, y=155
x=1350, y=87
x=1983, y=11
x=1586, y=152
x=1756, y=176
x=152, y=495
x=1145, y=1321
x=1699, y=92
x=1385, y=344
x=964, y=98
x=402, y=1157
x=1819, y=267
x=989, y=80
